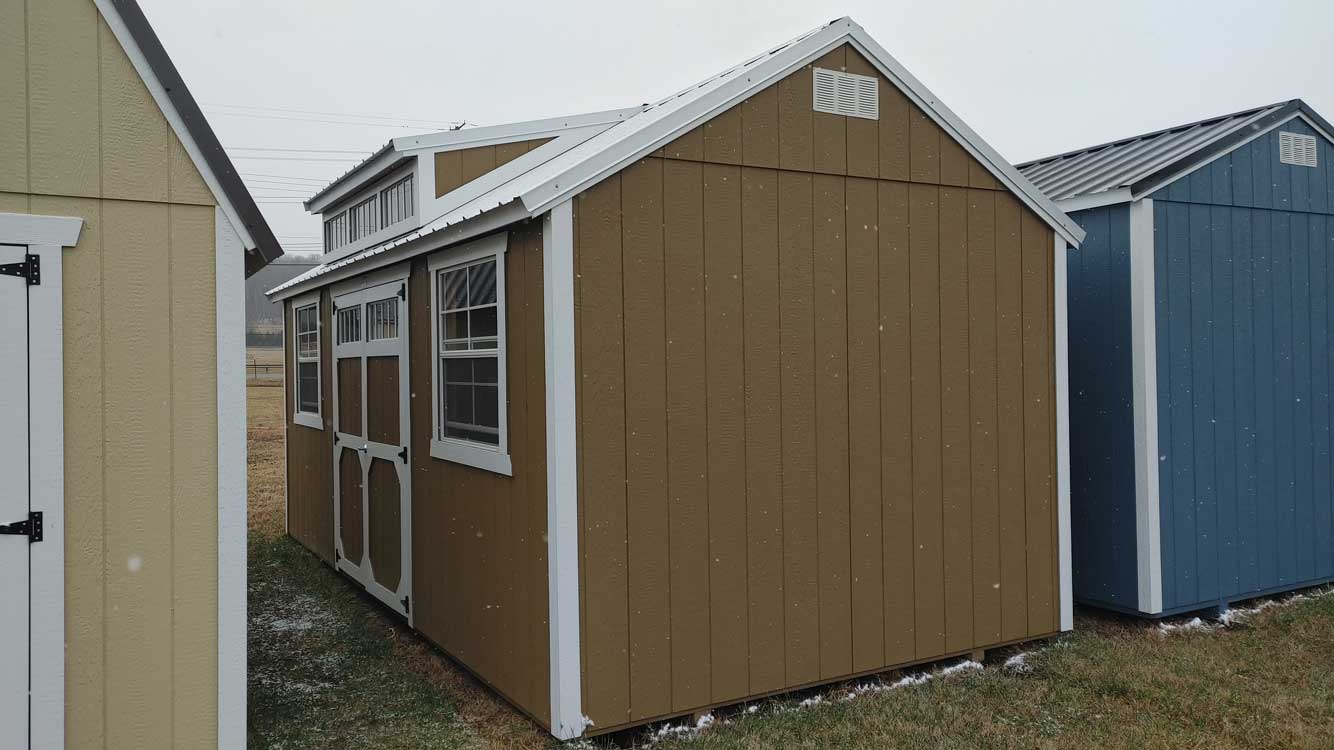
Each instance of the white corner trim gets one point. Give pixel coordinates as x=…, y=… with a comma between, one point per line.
x=127, y=43
x=31, y=229
x=567, y=717
x=1144, y=368
x=1063, y=436
x=230, y=299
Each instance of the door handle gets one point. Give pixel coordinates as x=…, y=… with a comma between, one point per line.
x=364, y=448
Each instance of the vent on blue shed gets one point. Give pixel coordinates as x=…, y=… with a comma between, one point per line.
x=849, y=94
x=1297, y=149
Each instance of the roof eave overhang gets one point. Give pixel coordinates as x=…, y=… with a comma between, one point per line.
x=382, y=161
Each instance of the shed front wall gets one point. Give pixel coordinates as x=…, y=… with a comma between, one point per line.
x=816, y=407
x=1243, y=286
x=81, y=136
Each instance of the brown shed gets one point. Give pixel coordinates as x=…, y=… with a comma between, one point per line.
x=641, y=412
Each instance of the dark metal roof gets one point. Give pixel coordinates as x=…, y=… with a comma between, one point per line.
x=266, y=247
x=1143, y=161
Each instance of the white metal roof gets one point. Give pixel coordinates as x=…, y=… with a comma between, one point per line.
x=545, y=184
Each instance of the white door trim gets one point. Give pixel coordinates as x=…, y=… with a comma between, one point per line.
x=46, y=237
x=1144, y=368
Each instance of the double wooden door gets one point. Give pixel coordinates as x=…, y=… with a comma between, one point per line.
x=372, y=475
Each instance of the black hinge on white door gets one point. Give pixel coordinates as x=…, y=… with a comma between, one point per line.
x=30, y=269
x=31, y=528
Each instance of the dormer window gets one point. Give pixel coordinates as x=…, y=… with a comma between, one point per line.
x=372, y=218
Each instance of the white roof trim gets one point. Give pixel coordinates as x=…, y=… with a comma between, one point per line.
x=145, y=71
x=1095, y=200
x=342, y=188
x=451, y=140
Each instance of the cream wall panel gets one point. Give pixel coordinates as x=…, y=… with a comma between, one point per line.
x=14, y=203
x=62, y=105
x=194, y=497
x=135, y=134
x=13, y=91
x=138, y=474
x=186, y=185
x=84, y=511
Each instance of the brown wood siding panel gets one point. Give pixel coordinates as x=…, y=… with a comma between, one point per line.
x=896, y=425
x=646, y=440
x=475, y=162
x=310, y=491
x=725, y=409
x=863, y=134
x=955, y=432
x=759, y=129
x=953, y=162
x=602, y=439
x=796, y=148
x=982, y=403
x=349, y=396
x=385, y=515
x=924, y=239
x=508, y=152
x=479, y=547
x=829, y=133
x=448, y=172
x=1010, y=414
x=382, y=400
x=864, y=457
x=763, y=428
x=896, y=114
x=1038, y=415
x=455, y=168
x=831, y=423
x=797, y=357
x=689, y=146
x=923, y=147
x=349, y=504
x=722, y=138
x=687, y=467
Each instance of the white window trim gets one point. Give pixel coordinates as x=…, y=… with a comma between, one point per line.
x=313, y=420
x=496, y=459
x=383, y=233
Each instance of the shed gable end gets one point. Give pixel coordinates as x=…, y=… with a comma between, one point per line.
x=454, y=169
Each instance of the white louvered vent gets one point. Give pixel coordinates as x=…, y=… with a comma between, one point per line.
x=849, y=94
x=1298, y=149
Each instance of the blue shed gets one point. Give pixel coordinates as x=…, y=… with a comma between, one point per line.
x=1201, y=360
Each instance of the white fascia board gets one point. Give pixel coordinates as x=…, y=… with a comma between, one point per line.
x=127, y=43
x=230, y=301
x=345, y=186
x=1065, y=558
x=423, y=241
x=1144, y=384
x=451, y=140
x=1095, y=200
x=30, y=229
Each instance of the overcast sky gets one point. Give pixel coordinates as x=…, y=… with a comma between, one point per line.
x=1032, y=77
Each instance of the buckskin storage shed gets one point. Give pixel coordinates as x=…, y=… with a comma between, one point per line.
x=754, y=388
x=1200, y=360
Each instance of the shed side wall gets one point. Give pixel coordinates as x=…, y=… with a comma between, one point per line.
x=479, y=538
x=310, y=517
x=1102, y=473
x=80, y=135
x=787, y=472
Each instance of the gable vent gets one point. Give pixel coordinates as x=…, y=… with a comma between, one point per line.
x=1298, y=149
x=849, y=94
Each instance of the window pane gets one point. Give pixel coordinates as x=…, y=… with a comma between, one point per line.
x=484, y=369
x=308, y=386
x=486, y=406
x=483, y=322
x=382, y=319
x=458, y=370
x=455, y=291
x=349, y=325
x=458, y=403
x=482, y=283
x=456, y=326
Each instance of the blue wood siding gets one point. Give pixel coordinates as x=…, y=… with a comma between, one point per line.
x=1102, y=411
x=1242, y=290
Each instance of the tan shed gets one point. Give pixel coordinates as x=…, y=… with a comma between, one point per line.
x=646, y=411
x=125, y=241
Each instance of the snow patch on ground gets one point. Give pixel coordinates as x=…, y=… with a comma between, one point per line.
x=1018, y=663
x=1237, y=616
x=682, y=730
x=1193, y=623
x=920, y=678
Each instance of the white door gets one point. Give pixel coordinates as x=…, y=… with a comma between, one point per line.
x=15, y=567
x=372, y=476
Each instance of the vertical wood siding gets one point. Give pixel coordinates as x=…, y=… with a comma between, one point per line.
x=479, y=566
x=310, y=490
x=81, y=136
x=816, y=374
x=453, y=169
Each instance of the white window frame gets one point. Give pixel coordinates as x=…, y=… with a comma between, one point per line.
x=383, y=232
x=478, y=455
x=313, y=420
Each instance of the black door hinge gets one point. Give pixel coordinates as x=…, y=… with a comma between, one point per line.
x=407, y=605
x=30, y=269
x=337, y=556
x=403, y=454
x=31, y=528
x=403, y=292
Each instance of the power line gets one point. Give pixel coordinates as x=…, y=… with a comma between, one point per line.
x=300, y=150
x=344, y=115
x=283, y=176
x=417, y=128
x=293, y=158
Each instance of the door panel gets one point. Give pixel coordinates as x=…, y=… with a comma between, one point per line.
x=349, y=395
x=382, y=402
x=385, y=523
x=350, y=495
x=14, y=503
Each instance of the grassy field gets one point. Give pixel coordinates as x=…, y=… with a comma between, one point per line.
x=328, y=669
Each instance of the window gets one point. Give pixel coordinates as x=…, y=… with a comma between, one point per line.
x=848, y=94
x=382, y=319
x=397, y=202
x=362, y=219
x=335, y=232
x=1297, y=149
x=349, y=325
x=306, y=319
x=470, y=397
